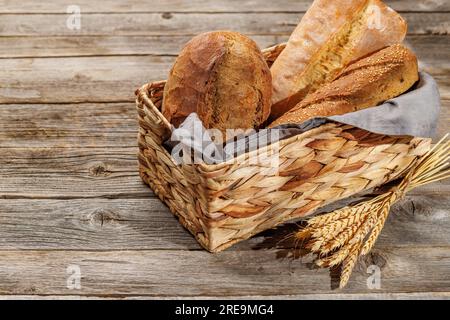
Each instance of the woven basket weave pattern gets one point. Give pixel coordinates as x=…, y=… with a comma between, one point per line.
x=229, y=202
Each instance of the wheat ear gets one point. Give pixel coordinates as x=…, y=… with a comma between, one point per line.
x=342, y=236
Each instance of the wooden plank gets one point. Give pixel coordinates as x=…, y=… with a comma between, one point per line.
x=66, y=173
x=108, y=79
x=85, y=79
x=323, y=296
x=88, y=150
x=55, y=160
x=111, y=6
x=93, y=224
x=97, y=79
x=444, y=117
x=147, y=24
x=137, y=224
x=13, y=47
x=94, y=79
x=112, y=125
x=72, y=185
x=429, y=48
x=177, y=273
x=70, y=173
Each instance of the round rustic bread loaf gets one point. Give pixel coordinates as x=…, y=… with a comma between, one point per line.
x=224, y=78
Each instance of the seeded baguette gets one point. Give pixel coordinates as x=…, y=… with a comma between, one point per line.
x=330, y=36
x=366, y=83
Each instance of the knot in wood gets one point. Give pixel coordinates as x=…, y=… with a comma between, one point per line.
x=102, y=217
x=99, y=170
x=375, y=258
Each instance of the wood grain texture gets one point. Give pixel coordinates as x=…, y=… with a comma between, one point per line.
x=316, y=296
x=16, y=46
x=427, y=46
x=177, y=273
x=83, y=150
x=112, y=125
x=47, y=173
x=69, y=188
x=147, y=24
x=87, y=125
x=146, y=224
x=113, y=78
x=112, y=6
x=94, y=224
x=68, y=173
x=68, y=80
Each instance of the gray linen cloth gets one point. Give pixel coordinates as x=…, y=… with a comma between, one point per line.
x=414, y=113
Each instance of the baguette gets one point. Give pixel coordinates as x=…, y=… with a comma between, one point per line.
x=331, y=35
x=366, y=83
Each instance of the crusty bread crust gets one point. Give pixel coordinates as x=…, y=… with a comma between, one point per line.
x=224, y=78
x=366, y=83
x=330, y=36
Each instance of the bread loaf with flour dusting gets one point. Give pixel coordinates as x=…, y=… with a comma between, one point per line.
x=224, y=78
x=331, y=35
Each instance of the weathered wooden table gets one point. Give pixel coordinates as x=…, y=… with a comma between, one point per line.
x=75, y=218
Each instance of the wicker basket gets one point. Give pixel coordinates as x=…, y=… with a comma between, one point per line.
x=230, y=202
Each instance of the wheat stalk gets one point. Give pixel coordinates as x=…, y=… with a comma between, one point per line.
x=342, y=236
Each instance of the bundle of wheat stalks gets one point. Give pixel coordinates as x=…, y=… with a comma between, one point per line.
x=339, y=238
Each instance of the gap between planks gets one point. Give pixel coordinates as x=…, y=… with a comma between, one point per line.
x=235, y=6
